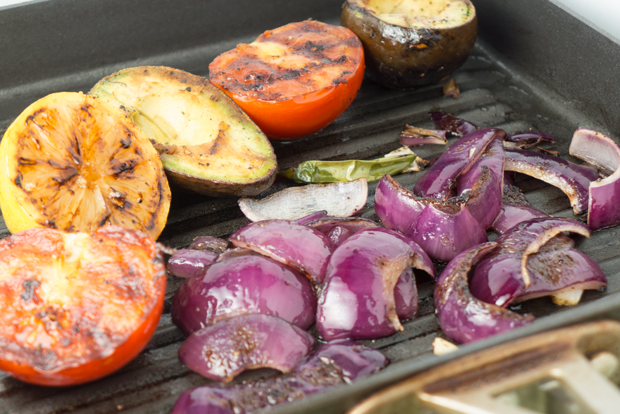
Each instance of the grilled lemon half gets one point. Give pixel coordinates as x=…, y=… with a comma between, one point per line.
x=73, y=162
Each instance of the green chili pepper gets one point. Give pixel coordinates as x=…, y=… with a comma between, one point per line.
x=349, y=170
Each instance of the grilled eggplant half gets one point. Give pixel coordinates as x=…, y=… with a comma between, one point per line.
x=410, y=43
x=207, y=144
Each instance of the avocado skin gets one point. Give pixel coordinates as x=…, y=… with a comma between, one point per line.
x=401, y=57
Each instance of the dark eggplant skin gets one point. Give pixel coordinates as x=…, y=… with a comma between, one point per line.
x=402, y=57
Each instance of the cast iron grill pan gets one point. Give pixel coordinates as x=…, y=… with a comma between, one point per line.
x=490, y=96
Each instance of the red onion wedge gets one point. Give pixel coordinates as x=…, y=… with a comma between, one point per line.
x=406, y=295
x=444, y=229
x=438, y=180
x=209, y=243
x=529, y=139
x=358, y=299
x=243, y=285
x=296, y=245
x=335, y=363
x=341, y=199
x=441, y=228
x=509, y=216
x=412, y=136
x=504, y=274
x=573, y=179
x=338, y=229
x=224, y=350
x=557, y=268
x=185, y=262
x=450, y=123
x=462, y=317
x=486, y=192
x=492, y=158
x=317, y=215
x=604, y=195
x=485, y=198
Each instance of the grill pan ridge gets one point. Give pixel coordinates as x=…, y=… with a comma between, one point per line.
x=515, y=79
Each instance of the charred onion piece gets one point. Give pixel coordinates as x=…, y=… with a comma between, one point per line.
x=296, y=245
x=529, y=139
x=338, y=199
x=439, y=179
x=573, y=179
x=509, y=216
x=338, y=229
x=209, y=243
x=557, y=268
x=461, y=316
x=412, y=136
x=241, y=285
x=311, y=217
x=186, y=262
x=406, y=295
x=504, y=275
x=335, y=363
x=604, y=195
x=446, y=228
x=224, y=350
x=485, y=194
x=450, y=123
x=442, y=228
x=485, y=198
x=358, y=299
x=492, y=158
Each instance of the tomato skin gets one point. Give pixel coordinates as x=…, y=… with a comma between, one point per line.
x=95, y=369
x=77, y=307
x=301, y=115
x=294, y=80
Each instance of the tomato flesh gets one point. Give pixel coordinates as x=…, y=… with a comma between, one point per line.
x=294, y=80
x=77, y=307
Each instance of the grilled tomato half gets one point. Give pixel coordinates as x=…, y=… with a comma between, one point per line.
x=294, y=80
x=73, y=162
x=77, y=306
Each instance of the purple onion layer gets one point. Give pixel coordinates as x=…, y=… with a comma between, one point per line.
x=450, y=123
x=441, y=228
x=492, y=158
x=209, y=243
x=438, y=180
x=243, y=285
x=463, y=317
x=573, y=179
x=485, y=198
x=604, y=195
x=293, y=244
x=556, y=268
x=509, y=216
x=406, y=295
x=335, y=363
x=186, y=262
x=357, y=301
x=445, y=229
x=224, y=350
x=412, y=136
x=502, y=276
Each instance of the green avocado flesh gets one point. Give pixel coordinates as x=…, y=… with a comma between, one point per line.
x=199, y=132
x=436, y=14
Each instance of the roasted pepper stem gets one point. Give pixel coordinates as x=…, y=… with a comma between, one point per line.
x=348, y=170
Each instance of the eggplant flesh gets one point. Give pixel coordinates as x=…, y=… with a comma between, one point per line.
x=411, y=43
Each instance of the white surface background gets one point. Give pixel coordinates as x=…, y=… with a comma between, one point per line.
x=602, y=13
